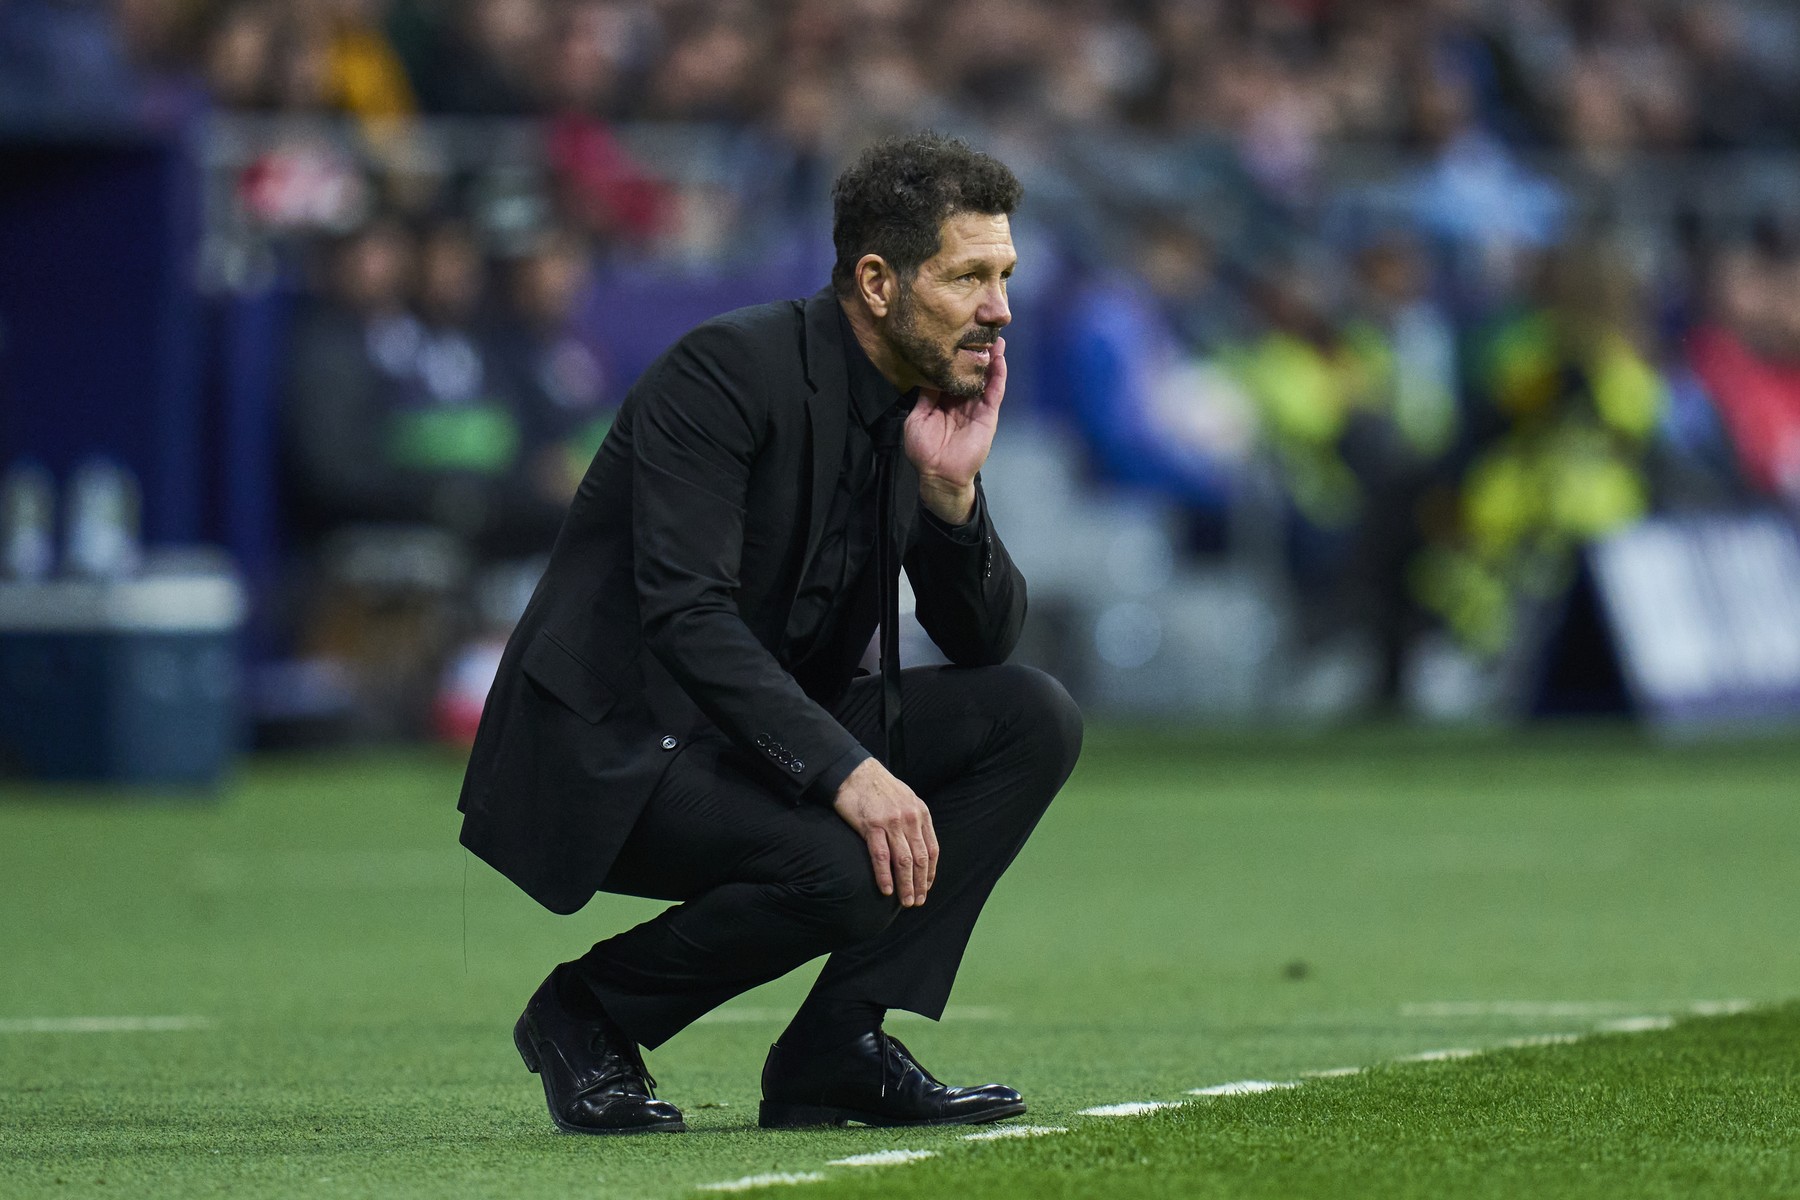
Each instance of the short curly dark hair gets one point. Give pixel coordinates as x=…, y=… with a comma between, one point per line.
x=895, y=198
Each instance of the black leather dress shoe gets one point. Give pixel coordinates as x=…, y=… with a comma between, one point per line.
x=873, y=1080
x=593, y=1083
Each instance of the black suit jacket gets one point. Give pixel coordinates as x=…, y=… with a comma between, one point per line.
x=663, y=608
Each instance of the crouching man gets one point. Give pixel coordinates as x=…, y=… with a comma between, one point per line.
x=679, y=713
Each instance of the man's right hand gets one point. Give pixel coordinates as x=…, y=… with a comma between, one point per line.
x=896, y=825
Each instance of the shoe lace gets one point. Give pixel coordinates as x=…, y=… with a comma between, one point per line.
x=894, y=1057
x=622, y=1061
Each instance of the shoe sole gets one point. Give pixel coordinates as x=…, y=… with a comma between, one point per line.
x=776, y=1115
x=528, y=1051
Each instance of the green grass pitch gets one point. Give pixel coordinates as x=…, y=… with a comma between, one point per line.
x=1194, y=910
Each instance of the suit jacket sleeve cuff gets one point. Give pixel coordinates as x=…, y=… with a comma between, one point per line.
x=824, y=788
x=969, y=533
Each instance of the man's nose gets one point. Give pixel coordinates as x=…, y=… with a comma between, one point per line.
x=994, y=309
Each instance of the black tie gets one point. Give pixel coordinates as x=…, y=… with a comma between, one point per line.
x=887, y=442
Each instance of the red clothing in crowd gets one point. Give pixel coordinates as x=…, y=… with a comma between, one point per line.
x=1759, y=400
x=610, y=192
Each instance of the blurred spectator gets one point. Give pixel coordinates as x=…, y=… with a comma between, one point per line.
x=425, y=448
x=1747, y=353
x=1396, y=315
x=1357, y=407
x=601, y=186
x=1472, y=196
x=1399, y=446
x=64, y=63
x=369, y=616
x=322, y=55
x=367, y=78
x=709, y=71
x=1181, y=267
x=1133, y=371
x=556, y=374
x=350, y=354
x=1573, y=398
x=1740, y=97
x=807, y=125
x=486, y=60
x=241, y=54
x=455, y=428
x=397, y=415
x=1308, y=380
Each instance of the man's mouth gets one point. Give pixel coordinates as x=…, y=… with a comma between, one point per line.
x=981, y=349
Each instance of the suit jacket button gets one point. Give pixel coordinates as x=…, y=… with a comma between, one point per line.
x=797, y=766
x=669, y=743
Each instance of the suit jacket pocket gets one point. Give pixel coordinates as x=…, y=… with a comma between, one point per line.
x=549, y=664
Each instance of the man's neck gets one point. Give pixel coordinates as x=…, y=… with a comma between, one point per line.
x=862, y=324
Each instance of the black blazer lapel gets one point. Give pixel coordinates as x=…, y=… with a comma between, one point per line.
x=827, y=412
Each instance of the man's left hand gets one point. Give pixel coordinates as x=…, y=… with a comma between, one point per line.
x=948, y=438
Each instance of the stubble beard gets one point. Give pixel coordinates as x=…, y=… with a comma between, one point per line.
x=933, y=363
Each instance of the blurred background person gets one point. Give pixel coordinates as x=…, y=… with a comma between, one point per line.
x=1747, y=354
x=555, y=372
x=1568, y=401
x=352, y=351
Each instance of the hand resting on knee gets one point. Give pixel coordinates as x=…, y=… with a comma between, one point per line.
x=896, y=825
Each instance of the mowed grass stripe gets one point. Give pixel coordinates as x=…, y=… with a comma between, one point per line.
x=1708, y=1108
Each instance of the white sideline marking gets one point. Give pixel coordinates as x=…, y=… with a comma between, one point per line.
x=882, y=1158
x=1131, y=1108
x=1518, y=1008
x=1002, y=1132
x=1540, y=1039
x=1242, y=1087
x=1637, y=1024
x=1565, y=1008
x=1720, y=1008
x=104, y=1024
x=1449, y=1055
x=773, y=1179
x=742, y=1016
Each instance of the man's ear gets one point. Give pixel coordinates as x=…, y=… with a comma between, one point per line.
x=876, y=283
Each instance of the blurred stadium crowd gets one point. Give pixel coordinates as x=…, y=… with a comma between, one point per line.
x=1603, y=77
x=1437, y=291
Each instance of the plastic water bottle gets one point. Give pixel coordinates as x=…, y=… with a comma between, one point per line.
x=27, y=522
x=103, y=534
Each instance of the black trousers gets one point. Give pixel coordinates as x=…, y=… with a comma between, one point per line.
x=766, y=885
